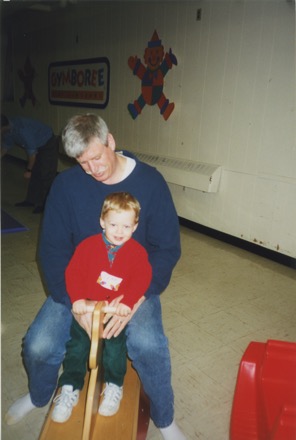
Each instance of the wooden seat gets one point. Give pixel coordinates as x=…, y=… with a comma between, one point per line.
x=131, y=421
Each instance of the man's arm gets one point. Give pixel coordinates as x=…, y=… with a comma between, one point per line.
x=30, y=164
x=56, y=245
x=163, y=238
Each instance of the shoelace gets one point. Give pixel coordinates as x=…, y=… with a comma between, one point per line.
x=111, y=393
x=65, y=398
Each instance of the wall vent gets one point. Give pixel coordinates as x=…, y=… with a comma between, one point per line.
x=197, y=175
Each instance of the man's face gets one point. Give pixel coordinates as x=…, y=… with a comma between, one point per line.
x=98, y=160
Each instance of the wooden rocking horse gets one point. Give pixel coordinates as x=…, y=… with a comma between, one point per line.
x=129, y=423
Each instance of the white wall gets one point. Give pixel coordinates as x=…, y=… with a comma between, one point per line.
x=233, y=88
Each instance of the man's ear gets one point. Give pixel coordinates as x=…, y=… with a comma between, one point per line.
x=111, y=142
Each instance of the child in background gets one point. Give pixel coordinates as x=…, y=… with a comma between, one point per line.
x=103, y=267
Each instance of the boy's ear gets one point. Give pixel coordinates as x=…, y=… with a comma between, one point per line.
x=135, y=227
x=102, y=223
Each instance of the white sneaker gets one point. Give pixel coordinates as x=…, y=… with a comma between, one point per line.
x=64, y=404
x=111, y=401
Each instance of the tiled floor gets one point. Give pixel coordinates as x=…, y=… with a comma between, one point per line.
x=220, y=298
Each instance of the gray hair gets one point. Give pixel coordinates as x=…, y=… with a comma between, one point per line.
x=80, y=130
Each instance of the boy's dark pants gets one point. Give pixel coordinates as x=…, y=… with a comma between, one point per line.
x=77, y=354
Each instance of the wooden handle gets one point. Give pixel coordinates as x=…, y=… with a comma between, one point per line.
x=105, y=309
x=109, y=309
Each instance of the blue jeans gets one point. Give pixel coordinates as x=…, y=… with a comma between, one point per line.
x=44, y=350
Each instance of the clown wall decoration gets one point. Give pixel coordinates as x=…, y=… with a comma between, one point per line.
x=152, y=78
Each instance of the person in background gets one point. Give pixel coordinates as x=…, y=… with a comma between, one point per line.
x=103, y=266
x=70, y=216
x=41, y=146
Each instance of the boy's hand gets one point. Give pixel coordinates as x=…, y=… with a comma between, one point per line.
x=79, y=307
x=123, y=310
x=83, y=306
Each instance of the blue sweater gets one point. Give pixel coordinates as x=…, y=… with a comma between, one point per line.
x=72, y=213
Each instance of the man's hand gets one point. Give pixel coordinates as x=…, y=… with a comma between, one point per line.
x=85, y=319
x=27, y=174
x=117, y=323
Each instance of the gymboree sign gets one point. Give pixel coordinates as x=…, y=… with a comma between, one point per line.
x=79, y=83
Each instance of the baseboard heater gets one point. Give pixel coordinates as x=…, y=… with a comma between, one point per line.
x=187, y=173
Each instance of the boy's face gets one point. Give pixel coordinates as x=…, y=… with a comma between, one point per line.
x=119, y=226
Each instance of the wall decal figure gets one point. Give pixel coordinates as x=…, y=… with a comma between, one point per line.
x=27, y=75
x=152, y=78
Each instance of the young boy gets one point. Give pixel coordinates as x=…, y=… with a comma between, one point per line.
x=103, y=267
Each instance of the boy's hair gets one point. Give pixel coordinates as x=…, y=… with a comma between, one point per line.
x=121, y=201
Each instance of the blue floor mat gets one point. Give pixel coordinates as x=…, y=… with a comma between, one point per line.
x=10, y=225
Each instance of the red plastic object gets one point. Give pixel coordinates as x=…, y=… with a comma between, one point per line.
x=264, y=404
